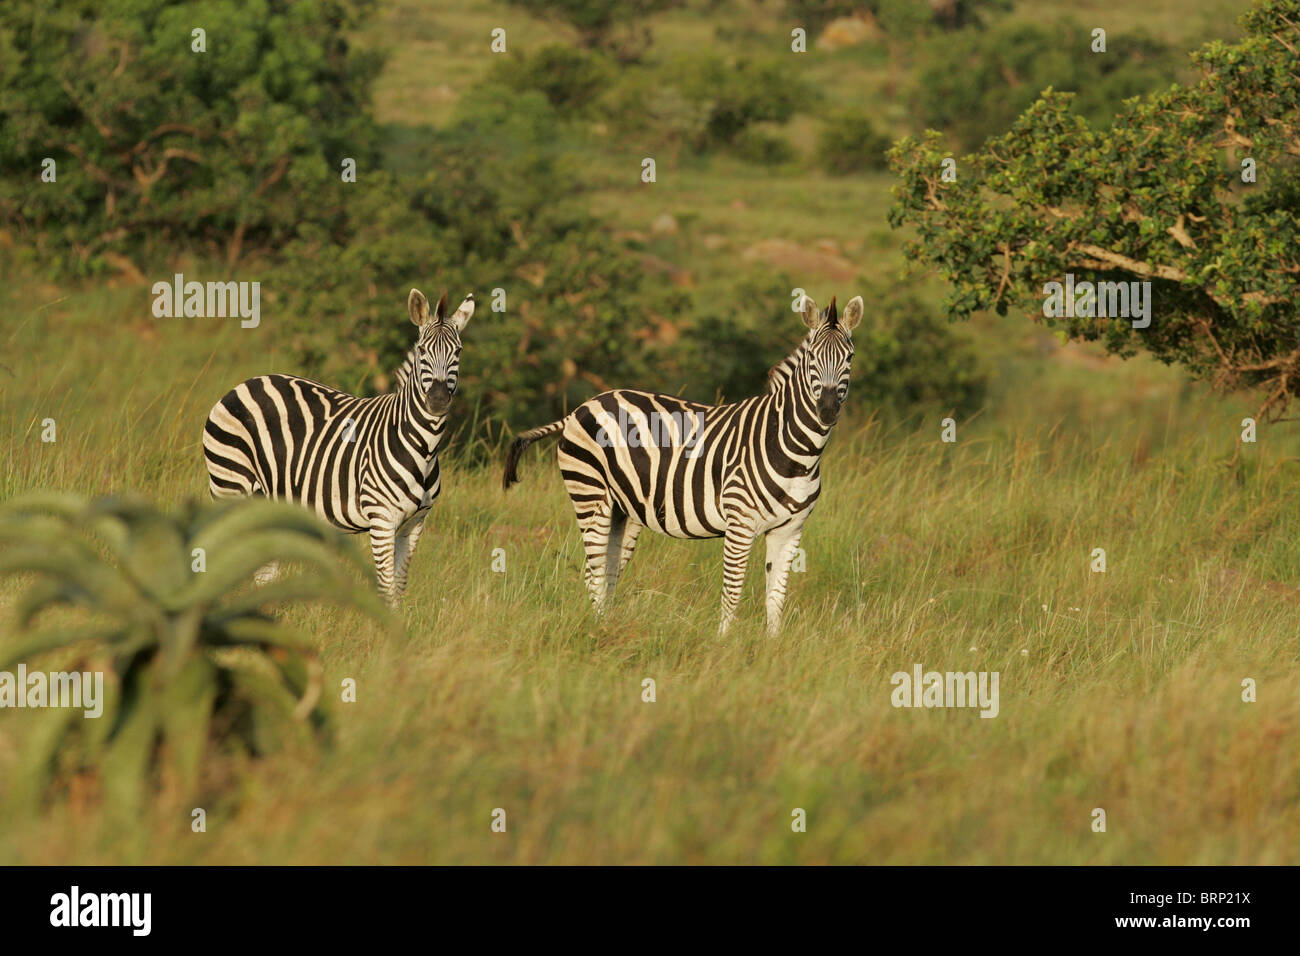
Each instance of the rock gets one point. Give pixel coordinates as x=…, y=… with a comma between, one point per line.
x=664, y=225
x=848, y=31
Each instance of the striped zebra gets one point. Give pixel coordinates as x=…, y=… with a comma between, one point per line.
x=363, y=464
x=633, y=460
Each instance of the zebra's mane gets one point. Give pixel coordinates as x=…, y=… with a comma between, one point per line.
x=403, y=371
x=781, y=371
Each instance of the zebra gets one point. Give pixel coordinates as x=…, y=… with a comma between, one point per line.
x=362, y=464
x=632, y=460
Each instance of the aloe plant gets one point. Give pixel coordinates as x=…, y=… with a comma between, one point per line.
x=193, y=658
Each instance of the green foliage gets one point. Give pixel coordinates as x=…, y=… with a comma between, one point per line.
x=764, y=148
x=194, y=662
x=580, y=313
x=850, y=143
x=570, y=79
x=615, y=26
x=1158, y=196
x=648, y=107
x=704, y=103
x=975, y=82
x=734, y=95
x=902, y=18
x=160, y=148
x=906, y=358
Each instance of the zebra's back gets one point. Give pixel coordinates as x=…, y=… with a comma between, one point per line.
x=292, y=439
x=663, y=459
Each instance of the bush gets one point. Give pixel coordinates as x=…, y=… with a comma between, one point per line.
x=764, y=148
x=903, y=18
x=736, y=95
x=974, y=83
x=705, y=104
x=161, y=149
x=164, y=632
x=494, y=212
x=570, y=79
x=906, y=357
x=1155, y=198
x=616, y=26
x=850, y=143
x=909, y=358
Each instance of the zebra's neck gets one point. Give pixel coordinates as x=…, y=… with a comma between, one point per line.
x=414, y=414
x=404, y=371
x=794, y=408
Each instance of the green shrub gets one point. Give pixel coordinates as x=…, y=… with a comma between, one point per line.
x=494, y=212
x=160, y=149
x=570, y=79
x=974, y=83
x=163, y=628
x=1155, y=198
x=903, y=18
x=616, y=26
x=850, y=143
x=764, y=148
x=907, y=358
x=735, y=95
x=648, y=108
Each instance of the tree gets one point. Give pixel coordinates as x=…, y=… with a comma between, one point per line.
x=613, y=26
x=1192, y=189
x=164, y=137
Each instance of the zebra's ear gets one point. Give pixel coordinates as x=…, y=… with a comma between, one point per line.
x=811, y=316
x=461, y=317
x=852, y=313
x=418, y=306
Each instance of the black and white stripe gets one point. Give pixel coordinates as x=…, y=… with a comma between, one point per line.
x=633, y=460
x=363, y=464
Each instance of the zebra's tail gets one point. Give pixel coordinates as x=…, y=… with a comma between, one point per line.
x=517, y=448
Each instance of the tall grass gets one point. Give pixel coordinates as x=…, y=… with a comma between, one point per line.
x=1119, y=690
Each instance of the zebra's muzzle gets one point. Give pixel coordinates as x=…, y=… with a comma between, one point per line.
x=438, y=398
x=828, y=408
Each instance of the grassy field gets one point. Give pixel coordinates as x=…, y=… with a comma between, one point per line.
x=1119, y=690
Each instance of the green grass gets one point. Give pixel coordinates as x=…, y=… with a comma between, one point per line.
x=1119, y=690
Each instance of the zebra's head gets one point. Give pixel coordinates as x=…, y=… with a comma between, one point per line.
x=828, y=355
x=437, y=351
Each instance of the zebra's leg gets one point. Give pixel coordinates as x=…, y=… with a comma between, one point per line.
x=595, y=528
x=781, y=545
x=382, y=546
x=735, y=555
x=404, y=549
x=619, y=526
x=629, y=543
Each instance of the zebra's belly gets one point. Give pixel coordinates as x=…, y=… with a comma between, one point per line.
x=342, y=515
